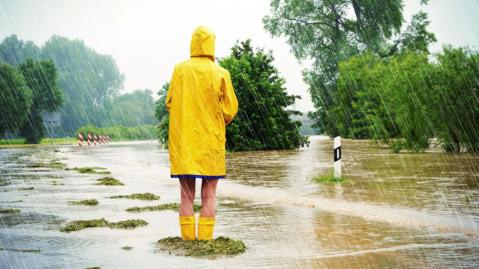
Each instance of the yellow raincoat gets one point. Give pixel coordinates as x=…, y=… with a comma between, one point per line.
x=201, y=102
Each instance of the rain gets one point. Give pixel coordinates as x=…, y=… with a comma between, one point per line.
x=355, y=144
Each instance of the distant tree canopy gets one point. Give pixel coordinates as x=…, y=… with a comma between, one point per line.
x=14, y=51
x=130, y=109
x=87, y=78
x=90, y=83
x=264, y=120
x=327, y=33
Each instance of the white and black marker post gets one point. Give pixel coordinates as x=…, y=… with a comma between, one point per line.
x=337, y=157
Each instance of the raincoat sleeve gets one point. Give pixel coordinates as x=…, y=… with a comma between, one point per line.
x=229, y=102
x=170, y=90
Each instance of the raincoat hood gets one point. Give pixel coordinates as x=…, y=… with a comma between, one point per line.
x=203, y=43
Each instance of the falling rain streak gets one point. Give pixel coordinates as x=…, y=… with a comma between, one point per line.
x=383, y=171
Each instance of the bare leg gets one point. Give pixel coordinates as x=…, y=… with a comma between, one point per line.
x=187, y=196
x=208, y=197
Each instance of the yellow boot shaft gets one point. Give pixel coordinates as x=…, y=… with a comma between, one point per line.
x=187, y=225
x=205, y=228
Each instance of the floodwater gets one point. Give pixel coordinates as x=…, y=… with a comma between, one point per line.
x=409, y=210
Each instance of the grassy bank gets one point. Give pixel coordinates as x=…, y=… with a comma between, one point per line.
x=116, y=133
x=18, y=142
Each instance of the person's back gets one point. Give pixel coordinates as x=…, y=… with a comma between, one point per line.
x=201, y=102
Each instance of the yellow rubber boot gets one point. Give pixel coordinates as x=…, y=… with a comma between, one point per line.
x=205, y=228
x=187, y=225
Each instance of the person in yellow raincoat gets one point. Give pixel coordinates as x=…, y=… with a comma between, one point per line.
x=201, y=102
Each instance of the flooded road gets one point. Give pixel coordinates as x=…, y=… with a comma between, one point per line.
x=396, y=210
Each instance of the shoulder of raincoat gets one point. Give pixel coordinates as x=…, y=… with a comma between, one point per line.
x=201, y=101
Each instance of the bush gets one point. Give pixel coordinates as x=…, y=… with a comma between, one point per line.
x=397, y=145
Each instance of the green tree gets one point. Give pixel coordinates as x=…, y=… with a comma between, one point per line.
x=41, y=78
x=408, y=92
x=457, y=98
x=327, y=33
x=359, y=104
x=421, y=99
x=130, y=109
x=264, y=120
x=15, y=98
x=162, y=114
x=88, y=80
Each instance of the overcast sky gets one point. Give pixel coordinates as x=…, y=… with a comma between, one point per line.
x=147, y=37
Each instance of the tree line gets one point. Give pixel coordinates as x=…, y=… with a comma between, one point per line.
x=372, y=76
x=85, y=87
x=89, y=83
x=409, y=97
x=264, y=120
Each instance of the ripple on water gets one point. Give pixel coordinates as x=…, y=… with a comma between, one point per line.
x=53, y=249
x=49, y=241
x=27, y=219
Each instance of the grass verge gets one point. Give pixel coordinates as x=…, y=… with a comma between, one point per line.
x=44, y=141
